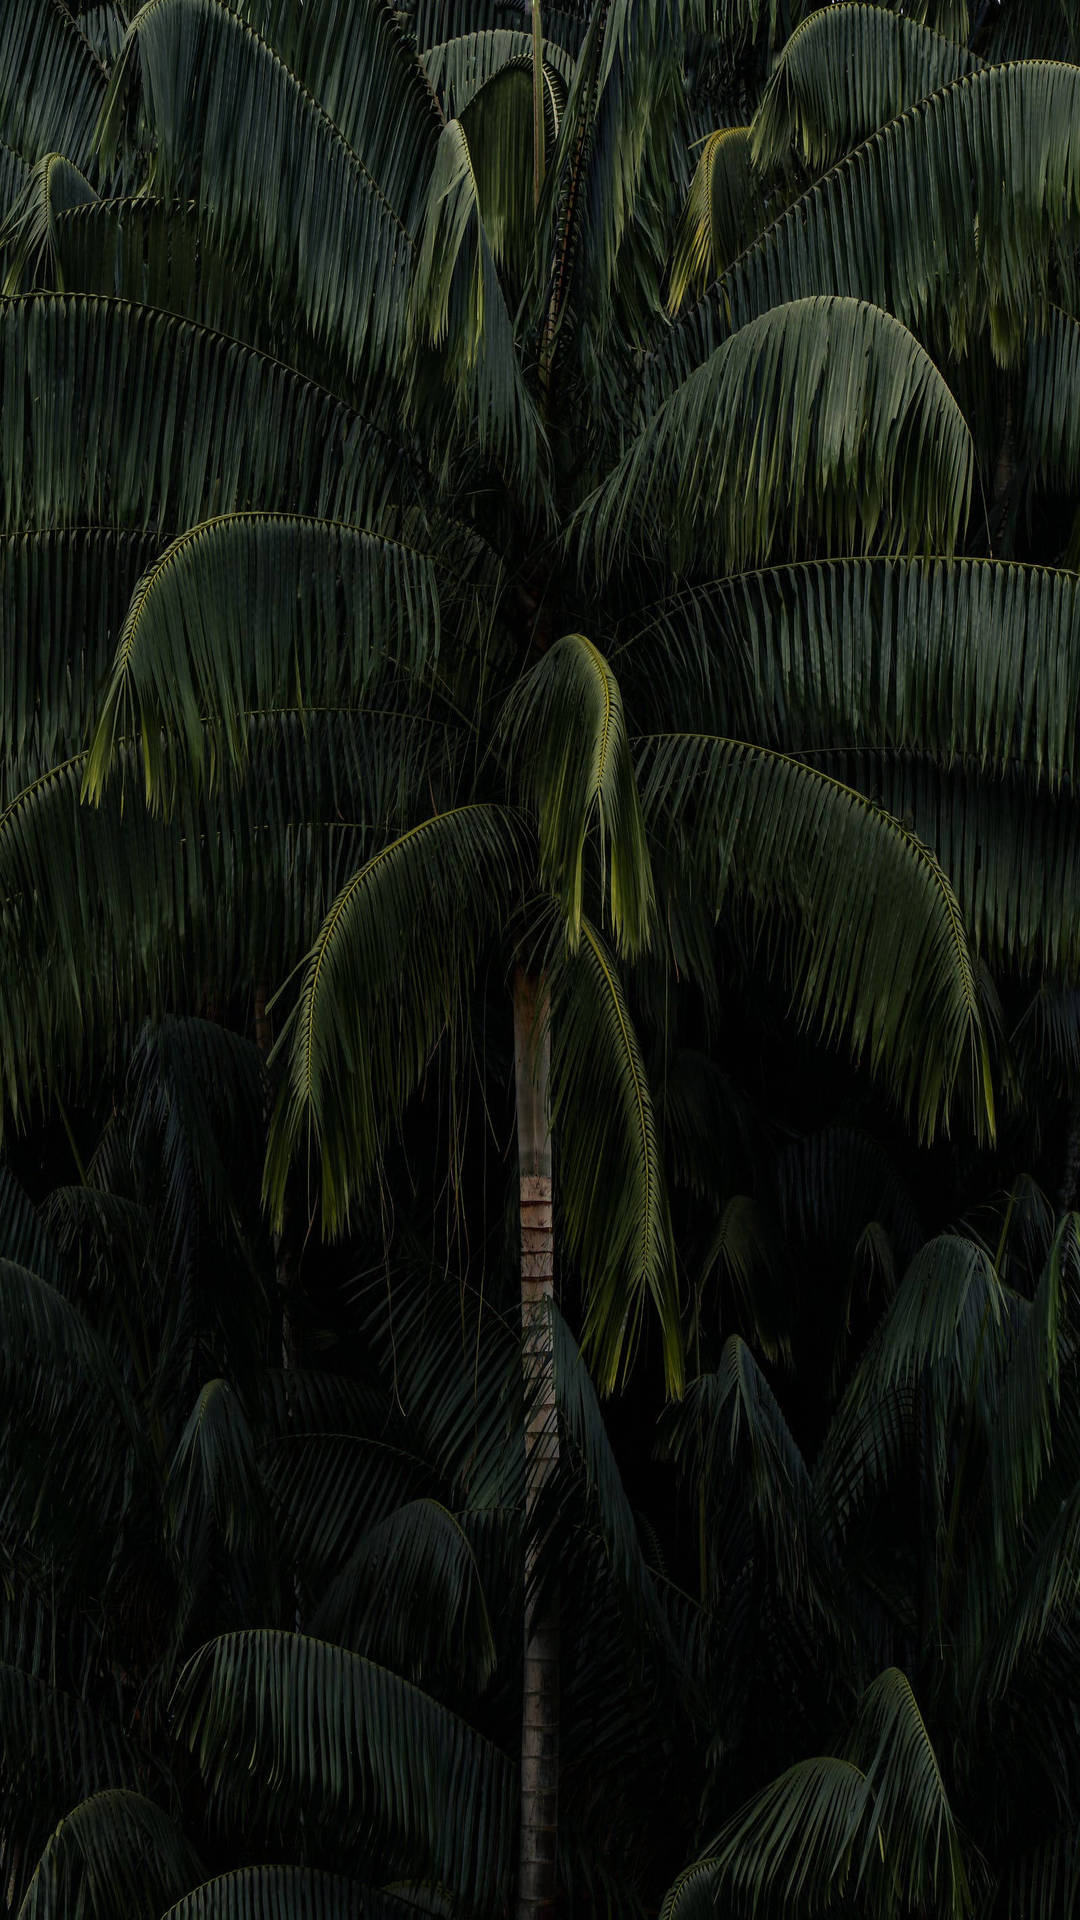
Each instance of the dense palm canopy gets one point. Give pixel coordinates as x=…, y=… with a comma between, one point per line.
x=584, y=494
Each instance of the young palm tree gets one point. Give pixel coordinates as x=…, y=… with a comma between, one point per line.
x=343, y=347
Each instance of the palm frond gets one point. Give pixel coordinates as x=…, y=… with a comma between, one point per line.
x=285, y=1724
x=287, y=1893
x=245, y=612
x=52, y=83
x=460, y=330
x=274, y=179
x=28, y=237
x=360, y=1035
x=366, y=74
x=25, y=1237
x=56, y=1750
x=916, y=1827
x=724, y=208
x=881, y=961
x=611, y=1179
x=114, y=1851
x=802, y=1842
x=458, y=68
x=63, y=596
x=566, y=732
x=108, y=389
x=411, y=1597
x=822, y=417
x=871, y=227
x=947, y=658
x=732, y=1429
x=846, y=71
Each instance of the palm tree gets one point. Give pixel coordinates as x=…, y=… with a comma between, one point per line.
x=398, y=294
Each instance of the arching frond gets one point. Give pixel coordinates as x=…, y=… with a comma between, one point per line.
x=286, y=1893
x=360, y=1035
x=566, y=734
x=97, y=394
x=245, y=612
x=612, y=1184
x=876, y=952
x=25, y=1237
x=723, y=209
x=732, y=1428
x=330, y=1489
x=411, y=1597
x=822, y=417
x=583, y=1424
x=871, y=228
x=213, y=1476
x=459, y=326
x=28, y=236
x=273, y=176
x=807, y=1839
x=458, y=68
x=916, y=1828
x=366, y=73
x=54, y=1751
x=846, y=71
x=947, y=658
x=52, y=83
x=282, y=1723
x=115, y=1850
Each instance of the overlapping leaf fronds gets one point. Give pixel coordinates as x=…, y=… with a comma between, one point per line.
x=612, y=1181
x=283, y=1723
x=115, y=1849
x=273, y=176
x=28, y=236
x=360, y=1035
x=566, y=733
x=366, y=74
x=846, y=71
x=63, y=596
x=52, y=83
x=822, y=417
x=969, y=658
x=878, y=955
x=871, y=228
x=98, y=392
x=247, y=611
x=458, y=68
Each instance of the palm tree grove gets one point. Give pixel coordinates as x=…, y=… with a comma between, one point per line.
x=540, y=959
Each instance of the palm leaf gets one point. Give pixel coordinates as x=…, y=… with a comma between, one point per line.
x=881, y=961
x=458, y=68
x=917, y=1829
x=947, y=658
x=52, y=83
x=247, y=611
x=282, y=1722
x=286, y=1893
x=356, y=1044
x=846, y=71
x=724, y=207
x=108, y=389
x=612, y=1184
x=801, y=1842
x=274, y=178
x=28, y=236
x=460, y=330
x=411, y=1597
x=566, y=732
x=115, y=1851
x=823, y=417
x=871, y=227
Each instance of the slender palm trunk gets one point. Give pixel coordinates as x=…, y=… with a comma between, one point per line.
x=540, y=1693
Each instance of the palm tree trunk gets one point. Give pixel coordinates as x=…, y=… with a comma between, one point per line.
x=540, y=1691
